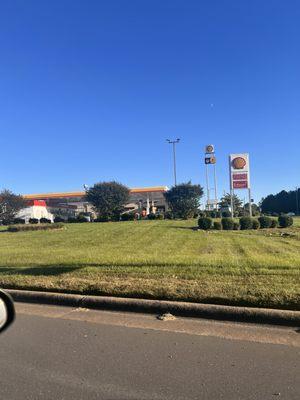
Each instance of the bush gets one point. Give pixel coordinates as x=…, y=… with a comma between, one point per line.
x=72, y=220
x=33, y=221
x=81, y=218
x=246, y=223
x=217, y=225
x=151, y=216
x=169, y=215
x=45, y=221
x=40, y=227
x=103, y=218
x=226, y=214
x=236, y=226
x=255, y=224
x=19, y=221
x=285, y=221
x=274, y=223
x=265, y=222
x=159, y=216
x=127, y=217
x=205, y=223
x=58, y=219
x=227, y=223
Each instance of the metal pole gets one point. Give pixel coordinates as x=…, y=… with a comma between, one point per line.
x=207, y=187
x=174, y=142
x=174, y=161
x=297, y=202
x=250, y=205
x=215, y=183
x=231, y=202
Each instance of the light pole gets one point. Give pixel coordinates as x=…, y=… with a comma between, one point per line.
x=297, y=203
x=174, y=142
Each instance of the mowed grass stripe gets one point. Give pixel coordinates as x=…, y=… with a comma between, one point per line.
x=157, y=259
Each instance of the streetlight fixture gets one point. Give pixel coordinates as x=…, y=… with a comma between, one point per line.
x=173, y=143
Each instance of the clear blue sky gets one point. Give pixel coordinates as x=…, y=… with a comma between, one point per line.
x=90, y=90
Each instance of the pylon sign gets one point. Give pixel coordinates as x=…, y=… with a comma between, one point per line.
x=239, y=171
x=210, y=159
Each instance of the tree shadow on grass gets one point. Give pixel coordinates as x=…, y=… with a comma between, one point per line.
x=44, y=270
x=189, y=228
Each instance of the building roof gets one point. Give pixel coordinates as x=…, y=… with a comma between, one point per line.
x=61, y=195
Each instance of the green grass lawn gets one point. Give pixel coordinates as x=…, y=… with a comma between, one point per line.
x=158, y=259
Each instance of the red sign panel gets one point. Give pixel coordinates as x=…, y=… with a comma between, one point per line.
x=239, y=177
x=240, y=184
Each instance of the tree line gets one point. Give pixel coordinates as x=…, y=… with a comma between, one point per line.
x=282, y=202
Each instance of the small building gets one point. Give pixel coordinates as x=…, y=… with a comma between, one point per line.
x=69, y=204
x=35, y=209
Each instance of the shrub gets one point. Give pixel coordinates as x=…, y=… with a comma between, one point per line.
x=58, y=219
x=227, y=223
x=151, y=216
x=81, y=218
x=285, y=221
x=246, y=223
x=103, y=218
x=159, y=216
x=33, y=221
x=226, y=214
x=217, y=225
x=19, y=221
x=255, y=224
x=205, y=223
x=265, y=222
x=236, y=226
x=169, y=215
x=45, y=221
x=127, y=217
x=40, y=227
x=274, y=223
x=72, y=220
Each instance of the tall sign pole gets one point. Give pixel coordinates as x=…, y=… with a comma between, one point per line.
x=174, y=142
x=239, y=169
x=210, y=160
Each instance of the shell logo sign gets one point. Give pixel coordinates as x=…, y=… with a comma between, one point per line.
x=239, y=171
x=239, y=163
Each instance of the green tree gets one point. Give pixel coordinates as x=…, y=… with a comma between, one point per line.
x=10, y=204
x=184, y=199
x=226, y=201
x=108, y=199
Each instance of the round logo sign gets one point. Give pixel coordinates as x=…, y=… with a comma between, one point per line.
x=209, y=148
x=239, y=163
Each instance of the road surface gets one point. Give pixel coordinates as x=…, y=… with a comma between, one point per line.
x=60, y=353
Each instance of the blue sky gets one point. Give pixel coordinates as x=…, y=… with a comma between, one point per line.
x=90, y=90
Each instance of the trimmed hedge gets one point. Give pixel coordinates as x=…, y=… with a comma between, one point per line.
x=45, y=221
x=205, y=223
x=127, y=217
x=274, y=223
x=217, y=225
x=19, y=221
x=169, y=215
x=227, y=223
x=255, y=224
x=265, y=222
x=285, y=221
x=39, y=227
x=236, y=226
x=33, y=221
x=245, y=223
x=59, y=219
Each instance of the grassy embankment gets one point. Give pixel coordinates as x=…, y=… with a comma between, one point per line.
x=158, y=259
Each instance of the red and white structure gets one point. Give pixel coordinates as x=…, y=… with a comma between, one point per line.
x=35, y=209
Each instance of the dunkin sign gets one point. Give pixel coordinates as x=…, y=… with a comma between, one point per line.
x=239, y=171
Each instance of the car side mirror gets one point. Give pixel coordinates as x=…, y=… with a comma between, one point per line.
x=7, y=310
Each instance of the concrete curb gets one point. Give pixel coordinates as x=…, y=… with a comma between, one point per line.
x=184, y=309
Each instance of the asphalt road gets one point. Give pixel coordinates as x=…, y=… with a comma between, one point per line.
x=66, y=354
